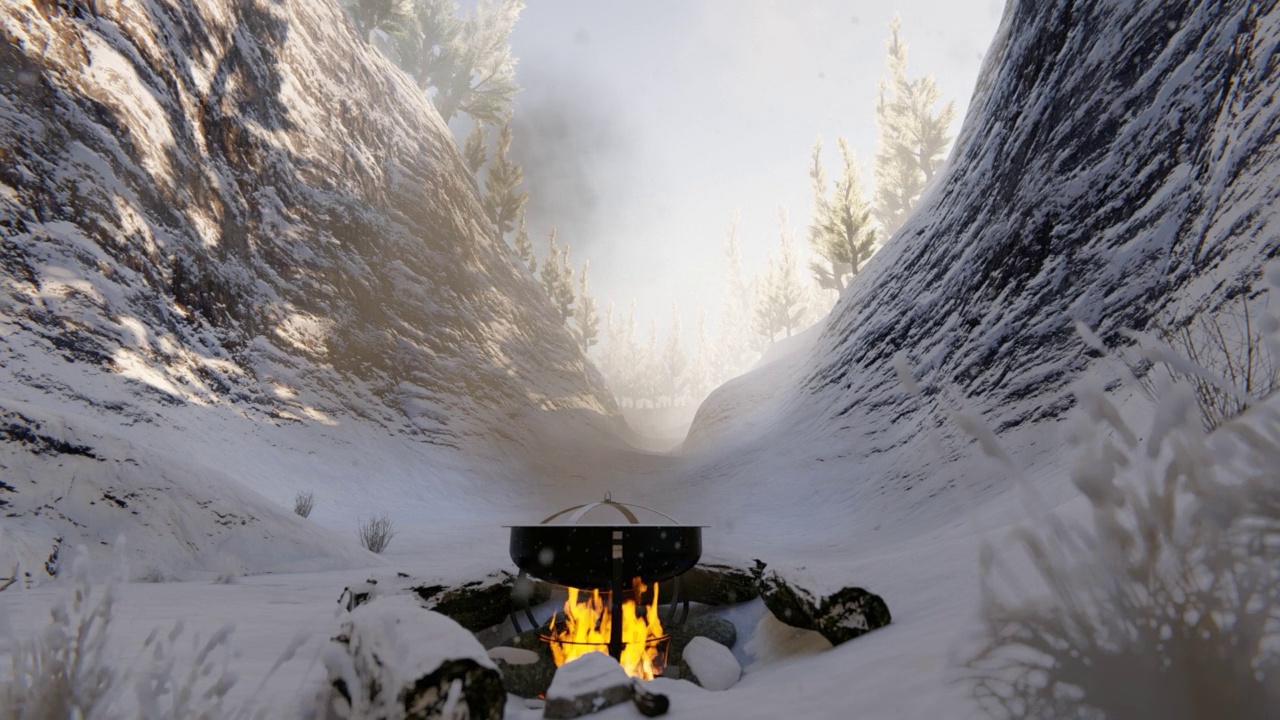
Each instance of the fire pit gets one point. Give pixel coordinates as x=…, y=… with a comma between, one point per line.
x=611, y=571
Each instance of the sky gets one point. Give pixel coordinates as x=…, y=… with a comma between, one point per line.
x=644, y=127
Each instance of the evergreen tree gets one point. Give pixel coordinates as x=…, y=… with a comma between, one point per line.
x=502, y=201
x=842, y=234
x=736, y=352
x=588, y=322
x=780, y=299
x=465, y=62
x=524, y=247
x=390, y=16
x=647, y=387
x=626, y=360
x=673, y=364
x=702, y=376
x=474, y=151
x=913, y=137
x=557, y=278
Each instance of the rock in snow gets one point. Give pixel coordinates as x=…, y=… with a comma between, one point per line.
x=392, y=659
x=714, y=584
x=475, y=605
x=710, y=664
x=840, y=615
x=587, y=684
x=711, y=627
x=513, y=656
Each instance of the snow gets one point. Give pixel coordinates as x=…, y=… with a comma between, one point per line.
x=172, y=449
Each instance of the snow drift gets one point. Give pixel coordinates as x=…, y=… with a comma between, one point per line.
x=226, y=223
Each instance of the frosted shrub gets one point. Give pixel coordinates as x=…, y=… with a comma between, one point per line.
x=303, y=503
x=1166, y=604
x=60, y=672
x=1231, y=366
x=376, y=533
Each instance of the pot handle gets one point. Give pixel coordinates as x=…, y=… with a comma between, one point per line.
x=580, y=510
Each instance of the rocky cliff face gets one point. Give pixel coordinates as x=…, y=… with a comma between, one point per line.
x=1120, y=160
x=236, y=209
x=209, y=189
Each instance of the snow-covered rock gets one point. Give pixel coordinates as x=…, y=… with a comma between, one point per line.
x=710, y=664
x=475, y=604
x=839, y=614
x=587, y=684
x=711, y=627
x=392, y=659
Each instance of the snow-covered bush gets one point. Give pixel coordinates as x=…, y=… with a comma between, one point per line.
x=376, y=533
x=60, y=672
x=63, y=671
x=303, y=503
x=1166, y=604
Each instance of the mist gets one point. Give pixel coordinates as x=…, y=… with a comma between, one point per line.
x=644, y=132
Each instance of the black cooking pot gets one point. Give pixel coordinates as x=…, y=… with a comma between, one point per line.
x=582, y=556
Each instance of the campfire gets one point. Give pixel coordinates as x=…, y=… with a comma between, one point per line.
x=612, y=573
x=587, y=626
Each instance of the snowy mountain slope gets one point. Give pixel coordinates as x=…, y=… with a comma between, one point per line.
x=231, y=227
x=1119, y=160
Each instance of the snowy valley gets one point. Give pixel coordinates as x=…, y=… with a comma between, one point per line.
x=244, y=259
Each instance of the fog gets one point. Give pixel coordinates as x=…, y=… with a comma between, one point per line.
x=644, y=127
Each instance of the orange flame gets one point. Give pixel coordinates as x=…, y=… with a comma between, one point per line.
x=587, y=626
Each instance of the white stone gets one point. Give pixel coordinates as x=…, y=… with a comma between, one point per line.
x=712, y=664
x=513, y=656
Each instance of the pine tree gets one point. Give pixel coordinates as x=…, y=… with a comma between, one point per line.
x=673, y=364
x=474, y=151
x=502, y=201
x=842, y=234
x=588, y=322
x=465, y=62
x=647, y=387
x=780, y=300
x=702, y=375
x=913, y=138
x=557, y=279
x=625, y=352
x=524, y=247
x=390, y=16
x=735, y=352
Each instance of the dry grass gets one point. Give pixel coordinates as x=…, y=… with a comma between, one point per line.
x=1227, y=361
x=304, y=503
x=376, y=533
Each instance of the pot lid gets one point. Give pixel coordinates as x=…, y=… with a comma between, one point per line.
x=576, y=515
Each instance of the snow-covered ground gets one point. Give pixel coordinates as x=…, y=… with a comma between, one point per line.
x=1092, y=183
